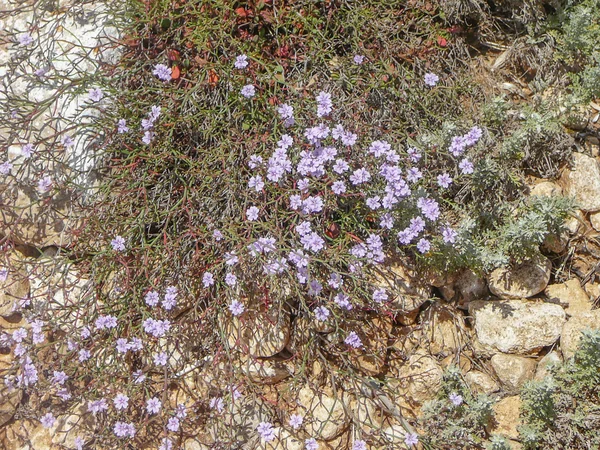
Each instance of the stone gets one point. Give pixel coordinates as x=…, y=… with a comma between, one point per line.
x=284, y=440
x=571, y=332
x=395, y=434
x=68, y=426
x=544, y=364
x=517, y=326
x=444, y=328
x=260, y=331
x=365, y=412
x=595, y=220
x=556, y=243
x=582, y=182
x=238, y=422
x=14, y=285
x=525, y=280
x=469, y=286
x=459, y=360
x=574, y=222
x=264, y=371
x=481, y=383
x=546, y=189
x=10, y=399
x=570, y=295
x=421, y=377
x=374, y=334
x=325, y=416
x=506, y=417
x=408, y=291
x=512, y=370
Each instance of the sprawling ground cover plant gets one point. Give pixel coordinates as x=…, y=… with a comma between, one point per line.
x=261, y=163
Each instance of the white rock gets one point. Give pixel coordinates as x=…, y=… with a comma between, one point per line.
x=481, y=382
x=570, y=295
x=517, y=326
x=595, y=220
x=507, y=417
x=546, y=189
x=583, y=182
x=512, y=370
x=524, y=280
x=544, y=364
x=444, y=329
x=15, y=287
x=571, y=332
x=325, y=414
x=421, y=377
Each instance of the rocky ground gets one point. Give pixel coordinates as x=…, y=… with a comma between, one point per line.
x=501, y=329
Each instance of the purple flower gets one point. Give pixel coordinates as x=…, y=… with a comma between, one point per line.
x=138, y=376
x=148, y=136
x=411, y=439
x=340, y=166
x=162, y=72
x=296, y=421
x=27, y=150
x=349, y=138
x=455, y=399
x=252, y=213
x=122, y=345
x=153, y=405
x=170, y=299
x=5, y=168
x=286, y=111
x=241, y=62
x=152, y=298
x=387, y=221
x=429, y=208
x=444, y=180
x=166, y=444
x=343, y=301
x=466, y=166
x=255, y=161
x=413, y=175
x=413, y=154
x=311, y=444
x=374, y=202
x=423, y=245
x=431, y=79
x=98, y=406
x=360, y=176
x=321, y=313
x=379, y=295
x=25, y=39
x=379, y=148
x=45, y=184
x=84, y=355
x=358, y=59
x=313, y=204
x=95, y=95
x=338, y=187
x=353, y=340
x=324, y=104
x=208, y=279
x=48, y=420
x=313, y=242
x=256, y=183
x=473, y=136
x=335, y=280
x=59, y=377
x=449, y=235
x=248, y=91
x=359, y=445
x=160, y=359
x=122, y=429
x=121, y=401
x=216, y=403
x=265, y=429
x=230, y=279
x=122, y=126
x=173, y=424
x=218, y=236
x=236, y=308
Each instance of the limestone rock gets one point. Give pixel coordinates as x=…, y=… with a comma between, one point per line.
x=374, y=334
x=542, y=370
x=421, y=377
x=239, y=421
x=284, y=440
x=571, y=332
x=395, y=434
x=259, y=331
x=573, y=223
x=444, y=329
x=469, y=286
x=517, y=326
x=582, y=181
x=595, y=220
x=524, y=280
x=481, y=383
x=408, y=291
x=506, y=416
x=513, y=371
x=264, y=371
x=570, y=295
x=10, y=398
x=545, y=189
x=325, y=416
x=14, y=285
